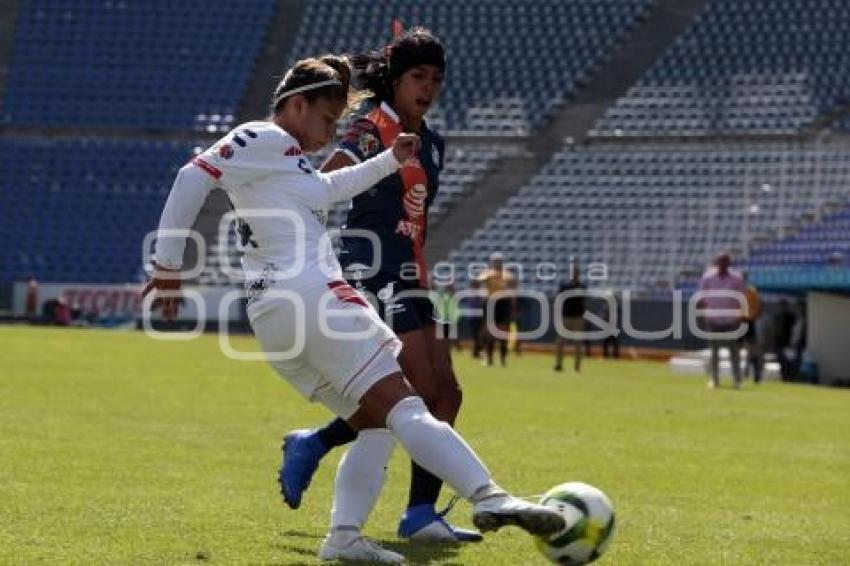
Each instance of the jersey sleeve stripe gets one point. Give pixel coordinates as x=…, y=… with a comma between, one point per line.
x=214, y=171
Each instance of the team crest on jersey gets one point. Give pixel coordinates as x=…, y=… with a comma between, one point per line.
x=368, y=144
x=292, y=151
x=225, y=151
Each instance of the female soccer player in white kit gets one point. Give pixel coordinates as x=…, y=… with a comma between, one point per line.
x=317, y=332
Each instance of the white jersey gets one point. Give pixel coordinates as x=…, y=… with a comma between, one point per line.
x=279, y=198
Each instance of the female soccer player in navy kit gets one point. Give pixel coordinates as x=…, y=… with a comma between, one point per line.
x=406, y=79
x=318, y=332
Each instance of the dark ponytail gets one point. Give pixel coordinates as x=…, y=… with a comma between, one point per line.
x=372, y=72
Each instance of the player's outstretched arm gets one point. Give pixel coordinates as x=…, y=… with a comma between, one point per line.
x=348, y=182
x=168, y=280
x=188, y=193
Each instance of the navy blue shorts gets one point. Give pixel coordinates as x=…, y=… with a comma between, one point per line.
x=404, y=305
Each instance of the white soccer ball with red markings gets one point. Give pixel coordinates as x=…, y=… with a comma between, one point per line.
x=590, y=524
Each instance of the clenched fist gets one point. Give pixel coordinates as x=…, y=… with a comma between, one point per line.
x=164, y=282
x=405, y=147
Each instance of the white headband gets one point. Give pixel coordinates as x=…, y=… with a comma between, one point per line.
x=320, y=84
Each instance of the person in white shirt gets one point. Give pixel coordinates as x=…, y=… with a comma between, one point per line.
x=724, y=301
x=319, y=333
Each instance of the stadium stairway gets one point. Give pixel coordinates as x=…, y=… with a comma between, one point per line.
x=269, y=67
x=9, y=10
x=618, y=71
x=254, y=106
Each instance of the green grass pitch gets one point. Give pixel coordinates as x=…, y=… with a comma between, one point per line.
x=118, y=449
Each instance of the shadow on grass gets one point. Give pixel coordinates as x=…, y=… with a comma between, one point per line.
x=423, y=553
x=414, y=552
x=301, y=534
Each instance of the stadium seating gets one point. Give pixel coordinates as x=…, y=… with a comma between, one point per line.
x=743, y=67
x=156, y=64
x=501, y=81
x=822, y=243
x=77, y=210
x=648, y=211
x=651, y=212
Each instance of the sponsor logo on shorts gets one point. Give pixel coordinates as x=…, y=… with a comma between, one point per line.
x=386, y=293
x=394, y=308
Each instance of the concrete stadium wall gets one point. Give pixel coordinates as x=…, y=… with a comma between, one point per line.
x=828, y=335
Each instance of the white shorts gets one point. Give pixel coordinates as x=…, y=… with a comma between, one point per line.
x=327, y=342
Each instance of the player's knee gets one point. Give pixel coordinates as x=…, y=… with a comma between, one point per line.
x=407, y=411
x=451, y=395
x=433, y=398
x=363, y=420
x=450, y=405
x=425, y=383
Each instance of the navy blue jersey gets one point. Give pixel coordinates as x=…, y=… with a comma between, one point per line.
x=395, y=209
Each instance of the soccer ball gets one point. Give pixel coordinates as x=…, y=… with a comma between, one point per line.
x=590, y=524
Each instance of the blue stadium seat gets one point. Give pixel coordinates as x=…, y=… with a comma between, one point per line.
x=147, y=65
x=76, y=209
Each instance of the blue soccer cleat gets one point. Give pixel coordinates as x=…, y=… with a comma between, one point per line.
x=422, y=523
x=302, y=452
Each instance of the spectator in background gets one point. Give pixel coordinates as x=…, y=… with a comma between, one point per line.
x=475, y=303
x=797, y=342
x=62, y=315
x=48, y=311
x=572, y=315
x=750, y=340
x=611, y=342
x=31, y=301
x=717, y=317
x=516, y=316
x=783, y=323
x=495, y=280
x=446, y=307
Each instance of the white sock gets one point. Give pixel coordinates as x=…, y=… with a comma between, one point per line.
x=435, y=446
x=360, y=478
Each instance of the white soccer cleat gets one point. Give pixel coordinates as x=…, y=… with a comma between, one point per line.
x=357, y=548
x=500, y=509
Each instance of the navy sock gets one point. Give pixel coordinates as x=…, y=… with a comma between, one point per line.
x=336, y=433
x=424, y=486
